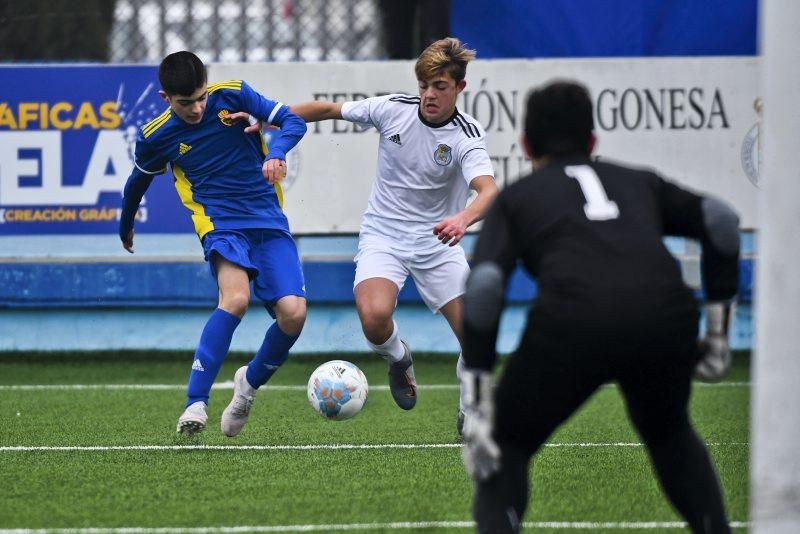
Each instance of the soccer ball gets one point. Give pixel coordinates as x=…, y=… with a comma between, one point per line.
x=337, y=390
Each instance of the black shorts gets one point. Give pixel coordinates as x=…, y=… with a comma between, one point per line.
x=549, y=377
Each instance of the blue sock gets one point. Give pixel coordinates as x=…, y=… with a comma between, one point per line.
x=211, y=350
x=273, y=352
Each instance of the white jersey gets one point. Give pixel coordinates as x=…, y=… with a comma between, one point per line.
x=424, y=169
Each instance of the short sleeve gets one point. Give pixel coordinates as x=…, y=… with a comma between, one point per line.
x=147, y=159
x=368, y=112
x=474, y=160
x=258, y=105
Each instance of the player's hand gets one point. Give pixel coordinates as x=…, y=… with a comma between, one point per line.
x=715, y=360
x=128, y=242
x=480, y=453
x=254, y=126
x=274, y=170
x=451, y=230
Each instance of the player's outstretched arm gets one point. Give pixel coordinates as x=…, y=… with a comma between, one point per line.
x=317, y=110
x=481, y=454
x=451, y=230
x=715, y=352
x=135, y=187
x=719, y=265
x=483, y=304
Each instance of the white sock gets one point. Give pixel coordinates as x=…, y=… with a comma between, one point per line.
x=391, y=349
x=459, y=371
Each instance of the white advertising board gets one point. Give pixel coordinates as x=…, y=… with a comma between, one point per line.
x=693, y=119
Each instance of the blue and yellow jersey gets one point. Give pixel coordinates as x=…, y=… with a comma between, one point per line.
x=217, y=167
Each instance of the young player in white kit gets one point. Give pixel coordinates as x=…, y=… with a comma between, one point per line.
x=429, y=156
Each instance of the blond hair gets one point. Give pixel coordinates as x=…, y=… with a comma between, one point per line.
x=445, y=56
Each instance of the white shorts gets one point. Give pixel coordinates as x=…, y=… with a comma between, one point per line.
x=440, y=274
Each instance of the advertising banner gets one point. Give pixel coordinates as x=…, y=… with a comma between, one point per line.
x=67, y=133
x=66, y=142
x=695, y=120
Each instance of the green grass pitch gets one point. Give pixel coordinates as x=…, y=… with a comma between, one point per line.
x=592, y=473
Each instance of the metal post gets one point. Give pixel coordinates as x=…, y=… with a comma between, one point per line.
x=215, y=44
x=270, y=29
x=775, y=412
x=162, y=33
x=297, y=30
x=351, y=29
x=189, y=31
x=324, y=35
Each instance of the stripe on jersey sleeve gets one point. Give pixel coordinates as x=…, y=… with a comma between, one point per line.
x=275, y=111
x=470, y=150
x=149, y=172
x=155, y=124
x=405, y=99
x=470, y=130
x=235, y=85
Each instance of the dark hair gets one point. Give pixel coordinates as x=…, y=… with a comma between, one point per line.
x=559, y=120
x=181, y=73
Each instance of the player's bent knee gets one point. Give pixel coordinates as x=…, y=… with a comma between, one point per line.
x=370, y=313
x=291, y=314
x=235, y=303
x=377, y=328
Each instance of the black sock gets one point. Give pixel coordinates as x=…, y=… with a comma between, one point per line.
x=500, y=502
x=690, y=481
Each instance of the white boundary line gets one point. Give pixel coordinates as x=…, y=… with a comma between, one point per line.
x=404, y=525
x=333, y=447
x=169, y=387
x=229, y=385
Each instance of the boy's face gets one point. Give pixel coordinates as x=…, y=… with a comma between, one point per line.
x=438, y=97
x=190, y=108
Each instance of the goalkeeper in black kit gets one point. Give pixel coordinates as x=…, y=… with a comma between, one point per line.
x=611, y=307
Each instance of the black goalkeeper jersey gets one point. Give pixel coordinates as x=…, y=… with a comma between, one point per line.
x=590, y=233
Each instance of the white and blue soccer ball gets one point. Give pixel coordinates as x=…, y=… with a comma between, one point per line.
x=337, y=390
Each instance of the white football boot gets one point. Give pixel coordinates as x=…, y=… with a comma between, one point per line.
x=193, y=419
x=235, y=415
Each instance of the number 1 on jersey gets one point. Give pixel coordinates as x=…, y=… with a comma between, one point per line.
x=598, y=207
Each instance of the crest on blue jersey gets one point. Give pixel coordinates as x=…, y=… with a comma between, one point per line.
x=443, y=154
x=223, y=117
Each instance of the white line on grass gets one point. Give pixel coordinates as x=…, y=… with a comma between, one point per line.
x=403, y=525
x=147, y=387
x=343, y=446
x=229, y=385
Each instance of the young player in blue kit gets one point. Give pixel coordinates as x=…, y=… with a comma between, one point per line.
x=231, y=185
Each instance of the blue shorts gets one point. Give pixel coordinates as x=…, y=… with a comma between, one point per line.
x=269, y=257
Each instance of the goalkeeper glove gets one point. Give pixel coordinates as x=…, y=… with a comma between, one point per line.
x=480, y=453
x=715, y=359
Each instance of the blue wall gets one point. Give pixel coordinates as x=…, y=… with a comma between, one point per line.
x=64, y=302
x=189, y=285
x=606, y=28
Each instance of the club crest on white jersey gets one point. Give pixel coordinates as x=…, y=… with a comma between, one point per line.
x=443, y=154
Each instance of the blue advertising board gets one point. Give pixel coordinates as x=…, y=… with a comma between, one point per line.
x=67, y=135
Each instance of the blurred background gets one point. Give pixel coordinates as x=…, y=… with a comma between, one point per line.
x=674, y=83
x=144, y=31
